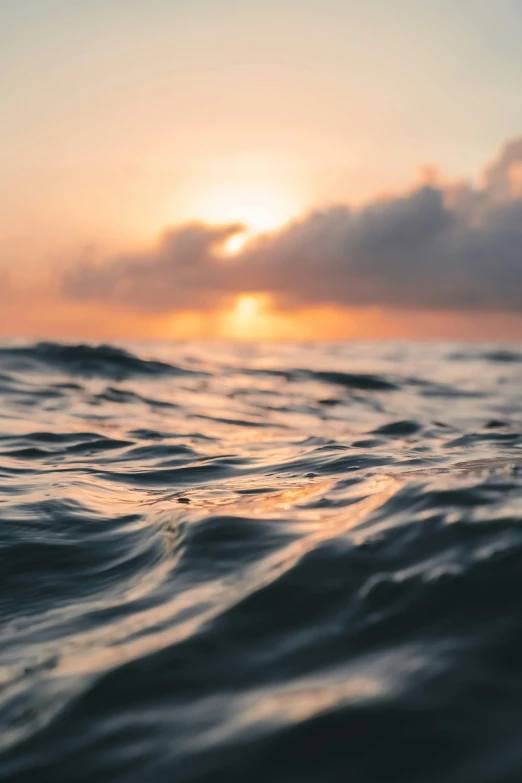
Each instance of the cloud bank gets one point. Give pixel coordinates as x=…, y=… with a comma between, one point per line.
x=452, y=246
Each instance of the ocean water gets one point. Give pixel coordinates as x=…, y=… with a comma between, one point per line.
x=260, y=563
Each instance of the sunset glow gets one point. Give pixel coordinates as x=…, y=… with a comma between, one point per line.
x=235, y=243
x=193, y=169
x=259, y=206
x=260, y=373
x=248, y=317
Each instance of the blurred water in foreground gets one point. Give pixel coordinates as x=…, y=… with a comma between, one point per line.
x=260, y=563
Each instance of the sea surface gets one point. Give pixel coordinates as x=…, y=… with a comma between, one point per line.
x=284, y=563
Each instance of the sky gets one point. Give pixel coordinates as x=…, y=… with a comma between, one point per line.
x=265, y=168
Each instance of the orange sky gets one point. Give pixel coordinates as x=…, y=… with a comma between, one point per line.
x=122, y=120
x=249, y=318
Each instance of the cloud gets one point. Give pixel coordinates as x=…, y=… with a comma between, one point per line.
x=504, y=176
x=438, y=246
x=181, y=272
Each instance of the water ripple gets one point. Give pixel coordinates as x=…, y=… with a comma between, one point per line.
x=218, y=565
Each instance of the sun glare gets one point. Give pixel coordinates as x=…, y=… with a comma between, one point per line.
x=246, y=320
x=235, y=244
x=260, y=207
x=246, y=310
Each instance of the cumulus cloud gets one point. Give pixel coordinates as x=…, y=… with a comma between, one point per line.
x=438, y=246
x=181, y=271
x=503, y=177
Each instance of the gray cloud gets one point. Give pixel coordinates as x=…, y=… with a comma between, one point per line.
x=181, y=272
x=503, y=177
x=436, y=247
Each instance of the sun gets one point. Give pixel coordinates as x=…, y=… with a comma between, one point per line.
x=235, y=243
x=246, y=320
x=259, y=206
x=246, y=310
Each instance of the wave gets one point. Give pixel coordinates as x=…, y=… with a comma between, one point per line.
x=361, y=381
x=85, y=360
x=330, y=594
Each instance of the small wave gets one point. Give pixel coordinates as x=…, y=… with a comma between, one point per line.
x=318, y=582
x=359, y=381
x=398, y=429
x=502, y=356
x=86, y=360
